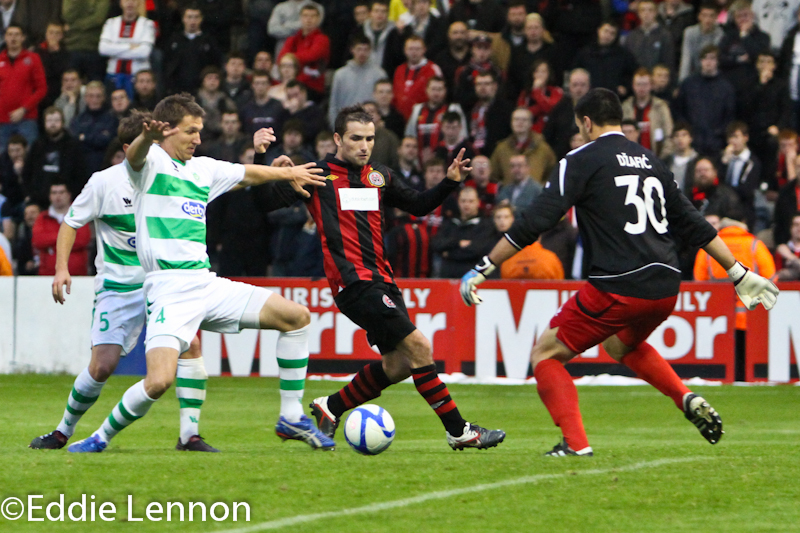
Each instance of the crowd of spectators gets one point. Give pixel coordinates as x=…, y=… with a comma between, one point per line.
x=710, y=87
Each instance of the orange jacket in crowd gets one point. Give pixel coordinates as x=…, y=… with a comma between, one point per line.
x=748, y=250
x=5, y=265
x=45, y=233
x=533, y=262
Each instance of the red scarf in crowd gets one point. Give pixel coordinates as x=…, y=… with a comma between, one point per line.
x=698, y=195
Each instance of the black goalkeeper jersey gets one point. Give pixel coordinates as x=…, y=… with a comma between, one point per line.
x=628, y=208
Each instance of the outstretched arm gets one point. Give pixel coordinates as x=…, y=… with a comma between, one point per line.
x=421, y=203
x=282, y=168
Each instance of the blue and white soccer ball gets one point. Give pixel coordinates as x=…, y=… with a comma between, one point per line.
x=369, y=429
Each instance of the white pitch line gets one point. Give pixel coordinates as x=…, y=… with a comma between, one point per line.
x=438, y=495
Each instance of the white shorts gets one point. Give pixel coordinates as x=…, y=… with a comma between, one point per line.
x=118, y=318
x=181, y=302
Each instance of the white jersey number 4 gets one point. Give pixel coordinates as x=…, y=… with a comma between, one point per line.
x=645, y=207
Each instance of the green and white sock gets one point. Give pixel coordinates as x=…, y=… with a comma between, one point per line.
x=292, y=352
x=191, y=392
x=85, y=392
x=134, y=405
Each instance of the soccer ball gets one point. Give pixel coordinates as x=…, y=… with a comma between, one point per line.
x=369, y=429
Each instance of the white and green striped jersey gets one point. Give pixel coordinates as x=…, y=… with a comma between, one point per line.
x=170, y=203
x=107, y=199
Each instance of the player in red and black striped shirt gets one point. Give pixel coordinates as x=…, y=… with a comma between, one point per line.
x=349, y=217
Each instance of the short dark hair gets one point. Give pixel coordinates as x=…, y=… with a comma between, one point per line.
x=291, y=84
x=384, y=3
x=53, y=110
x=500, y=207
x=450, y=117
x=737, y=125
x=767, y=53
x=295, y=125
x=354, y=113
x=484, y=73
x=630, y=122
x=709, y=49
x=324, y=135
x=682, y=125
x=15, y=25
x=601, y=106
x=433, y=162
x=235, y=55
x=261, y=74
x=359, y=38
x=144, y=71
x=383, y=81
x=437, y=79
x=17, y=139
x=245, y=147
x=310, y=7
x=191, y=6
x=210, y=69
x=708, y=4
x=131, y=126
x=173, y=108
x=518, y=3
x=611, y=22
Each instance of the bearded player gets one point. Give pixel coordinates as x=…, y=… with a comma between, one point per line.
x=349, y=217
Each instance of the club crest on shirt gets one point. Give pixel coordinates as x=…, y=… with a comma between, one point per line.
x=132, y=242
x=376, y=178
x=388, y=302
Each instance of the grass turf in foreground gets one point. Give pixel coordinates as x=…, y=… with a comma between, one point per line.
x=652, y=470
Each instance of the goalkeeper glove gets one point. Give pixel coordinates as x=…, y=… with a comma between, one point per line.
x=475, y=277
x=752, y=288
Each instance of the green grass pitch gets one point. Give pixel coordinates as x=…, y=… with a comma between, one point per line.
x=652, y=471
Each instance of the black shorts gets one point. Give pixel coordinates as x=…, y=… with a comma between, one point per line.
x=378, y=308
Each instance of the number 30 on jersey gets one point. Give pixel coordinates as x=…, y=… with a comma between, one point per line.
x=645, y=208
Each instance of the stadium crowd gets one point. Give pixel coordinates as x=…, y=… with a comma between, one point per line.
x=710, y=88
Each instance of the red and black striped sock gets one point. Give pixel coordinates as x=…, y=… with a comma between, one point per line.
x=428, y=384
x=366, y=386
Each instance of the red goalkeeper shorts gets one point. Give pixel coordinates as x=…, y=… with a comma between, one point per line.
x=591, y=316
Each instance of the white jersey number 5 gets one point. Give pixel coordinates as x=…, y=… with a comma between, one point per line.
x=645, y=208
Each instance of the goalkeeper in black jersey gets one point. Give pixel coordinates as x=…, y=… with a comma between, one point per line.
x=629, y=209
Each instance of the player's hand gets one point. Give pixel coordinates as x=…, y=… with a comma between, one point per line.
x=752, y=288
x=262, y=139
x=308, y=174
x=473, y=278
x=62, y=278
x=282, y=161
x=157, y=131
x=459, y=167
